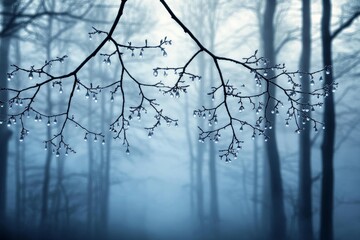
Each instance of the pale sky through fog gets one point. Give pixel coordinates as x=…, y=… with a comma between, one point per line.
x=158, y=190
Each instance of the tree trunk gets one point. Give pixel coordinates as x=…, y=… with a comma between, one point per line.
x=4, y=131
x=46, y=182
x=102, y=181
x=23, y=199
x=192, y=159
x=90, y=183
x=18, y=155
x=214, y=202
x=304, y=199
x=58, y=195
x=199, y=162
x=327, y=149
x=107, y=178
x=278, y=218
x=107, y=161
x=47, y=166
x=255, y=187
x=200, y=149
x=265, y=198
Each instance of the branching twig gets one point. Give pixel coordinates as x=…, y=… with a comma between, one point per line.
x=229, y=90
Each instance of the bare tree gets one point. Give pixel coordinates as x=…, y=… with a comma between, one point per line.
x=304, y=199
x=277, y=212
x=17, y=15
x=4, y=132
x=327, y=149
x=227, y=95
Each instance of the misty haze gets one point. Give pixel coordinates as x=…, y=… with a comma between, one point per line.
x=165, y=119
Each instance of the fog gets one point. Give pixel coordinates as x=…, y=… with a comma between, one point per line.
x=169, y=120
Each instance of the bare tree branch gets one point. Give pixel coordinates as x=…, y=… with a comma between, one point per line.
x=229, y=90
x=345, y=25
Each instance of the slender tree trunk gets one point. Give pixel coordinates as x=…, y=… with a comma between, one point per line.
x=46, y=181
x=17, y=180
x=61, y=220
x=107, y=178
x=192, y=186
x=90, y=183
x=47, y=166
x=214, y=208
x=197, y=164
x=4, y=131
x=18, y=155
x=23, y=210
x=255, y=187
x=265, y=199
x=305, y=205
x=327, y=149
x=102, y=172
x=214, y=203
x=192, y=159
x=278, y=218
x=59, y=185
x=199, y=184
x=107, y=163
x=60, y=169
x=200, y=158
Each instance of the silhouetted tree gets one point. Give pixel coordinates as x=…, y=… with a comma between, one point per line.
x=327, y=149
x=16, y=15
x=278, y=218
x=214, y=202
x=4, y=131
x=305, y=179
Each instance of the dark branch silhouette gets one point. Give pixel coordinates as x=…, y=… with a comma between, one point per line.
x=230, y=91
x=345, y=25
x=20, y=17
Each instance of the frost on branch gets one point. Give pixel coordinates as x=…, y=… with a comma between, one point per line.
x=226, y=93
